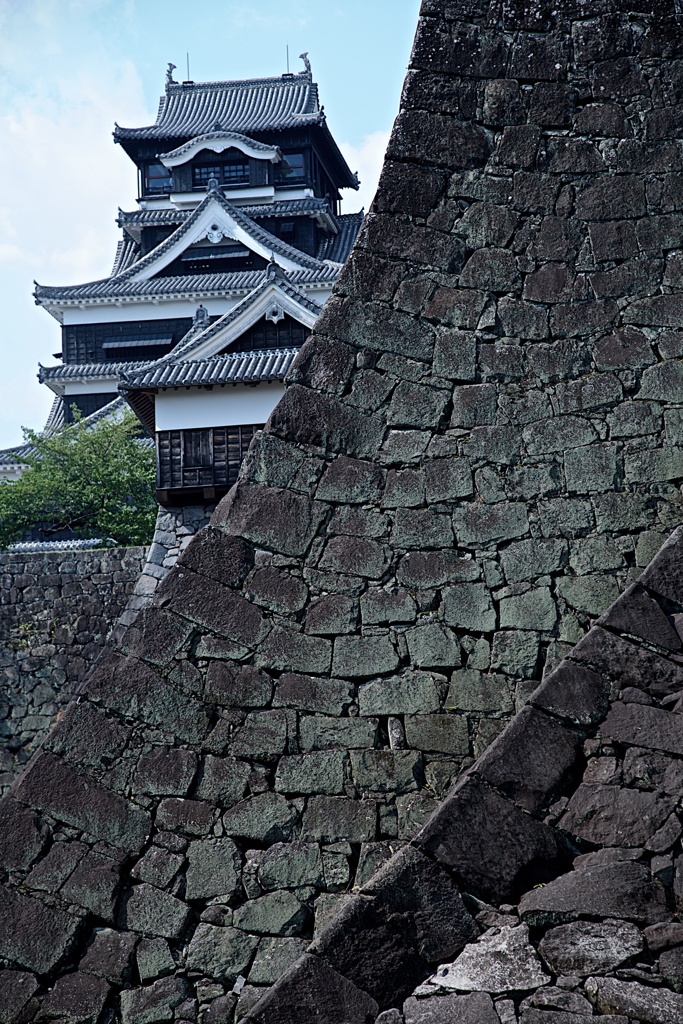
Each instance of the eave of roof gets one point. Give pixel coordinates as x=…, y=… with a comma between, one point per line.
x=230, y=368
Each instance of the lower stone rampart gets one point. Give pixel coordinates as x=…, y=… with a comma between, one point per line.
x=56, y=611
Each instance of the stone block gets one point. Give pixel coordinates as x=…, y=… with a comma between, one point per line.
x=493, y=270
x=447, y=479
x=152, y=912
x=290, y=866
x=221, y=953
x=566, y=517
x=590, y=594
x=594, y=468
x=643, y=726
x=237, y=686
x=93, y=885
x=586, y=947
x=469, y=606
x=165, y=771
x=276, y=913
x=154, y=1002
x=607, y=199
x=108, y=956
x=413, y=405
x=311, y=989
x=574, y=692
x=428, y=569
x=665, y=574
x=432, y=646
x=486, y=224
x=626, y=349
x=488, y=842
x=22, y=835
x=23, y=919
x=534, y=609
x=370, y=942
x=654, y=466
x=311, y=418
x=635, y=1001
x=318, y=772
x=76, y=799
x=262, y=737
x=622, y=511
x=305, y=693
x=527, y=559
x=412, y=692
x=386, y=771
x=474, y=1008
x=493, y=444
x=480, y=525
x=331, y=819
x=318, y=732
x=227, y=560
x=264, y=818
x=75, y=998
x=628, y=664
x=350, y=481
x=158, y=867
x=212, y=607
x=276, y=590
x=632, y=419
x=474, y=405
x=222, y=781
x=441, y=734
x=455, y=350
x=471, y=690
x=358, y=656
x=331, y=614
x=558, y=434
x=214, y=867
x=515, y=653
x=531, y=759
x=154, y=958
x=358, y=556
x=405, y=487
x=384, y=606
x=623, y=890
x=615, y=816
x=285, y=650
x=421, y=529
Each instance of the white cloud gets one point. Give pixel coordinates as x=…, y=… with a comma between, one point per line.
x=367, y=160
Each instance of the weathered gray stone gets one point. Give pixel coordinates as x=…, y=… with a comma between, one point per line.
x=384, y=606
x=590, y=594
x=405, y=488
x=558, y=434
x=77, y=998
x=279, y=591
x=443, y=734
x=534, y=609
x=263, y=736
x=493, y=444
x=331, y=614
x=527, y=559
x=421, y=529
x=593, y=468
x=644, y=727
x=500, y=961
x=266, y=817
x=432, y=646
x=318, y=732
x=358, y=656
x=640, y=1002
x=413, y=405
x=424, y=570
x=319, y=772
x=469, y=606
x=476, y=1008
x=328, y=819
x=328, y=696
x=382, y=771
x=213, y=869
x=276, y=913
x=411, y=692
x=471, y=690
x=23, y=918
x=154, y=958
x=359, y=556
x=221, y=953
x=612, y=816
x=515, y=653
x=481, y=525
x=474, y=405
x=273, y=958
x=311, y=988
x=152, y=912
x=586, y=947
x=154, y=1002
x=351, y=481
x=290, y=866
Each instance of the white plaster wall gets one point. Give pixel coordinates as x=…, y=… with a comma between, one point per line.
x=225, y=406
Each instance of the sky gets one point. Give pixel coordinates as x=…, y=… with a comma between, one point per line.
x=69, y=69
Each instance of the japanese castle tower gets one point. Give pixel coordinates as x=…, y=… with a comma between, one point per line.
x=219, y=275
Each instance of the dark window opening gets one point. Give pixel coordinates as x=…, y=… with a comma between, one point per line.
x=291, y=168
x=233, y=172
x=215, y=252
x=190, y=459
x=197, y=449
x=286, y=333
x=87, y=403
x=287, y=230
x=158, y=179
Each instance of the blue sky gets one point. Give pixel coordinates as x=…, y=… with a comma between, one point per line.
x=70, y=68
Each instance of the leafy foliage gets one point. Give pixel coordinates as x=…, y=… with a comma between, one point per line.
x=95, y=479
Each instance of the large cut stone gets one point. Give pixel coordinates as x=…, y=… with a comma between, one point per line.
x=330, y=819
x=265, y=818
x=154, y=1002
x=76, y=998
x=644, y=726
x=407, y=916
x=488, y=842
x=622, y=890
x=153, y=912
x=213, y=869
x=276, y=913
x=476, y=1008
x=574, y=692
x=23, y=919
x=638, y=1002
x=587, y=947
x=311, y=990
x=615, y=816
x=502, y=960
x=628, y=664
x=22, y=836
x=411, y=693
x=220, y=953
x=290, y=865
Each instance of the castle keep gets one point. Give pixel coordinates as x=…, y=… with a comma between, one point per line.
x=399, y=738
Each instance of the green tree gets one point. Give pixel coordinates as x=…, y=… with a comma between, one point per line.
x=95, y=479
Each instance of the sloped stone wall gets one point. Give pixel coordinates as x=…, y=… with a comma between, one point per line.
x=56, y=611
x=474, y=452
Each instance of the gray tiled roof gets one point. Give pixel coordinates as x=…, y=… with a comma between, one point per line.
x=238, y=367
x=127, y=253
x=188, y=284
x=123, y=284
x=278, y=208
x=257, y=105
x=85, y=371
x=336, y=249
